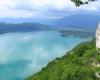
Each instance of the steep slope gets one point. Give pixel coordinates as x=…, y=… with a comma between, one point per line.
x=78, y=64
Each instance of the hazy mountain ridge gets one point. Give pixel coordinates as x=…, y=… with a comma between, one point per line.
x=30, y=27
x=79, y=20
x=22, y=27
x=76, y=20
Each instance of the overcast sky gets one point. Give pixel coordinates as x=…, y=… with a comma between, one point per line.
x=51, y=9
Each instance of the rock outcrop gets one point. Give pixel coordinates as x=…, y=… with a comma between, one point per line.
x=98, y=37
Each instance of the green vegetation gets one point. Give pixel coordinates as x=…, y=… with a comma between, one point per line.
x=82, y=33
x=78, y=64
x=81, y=2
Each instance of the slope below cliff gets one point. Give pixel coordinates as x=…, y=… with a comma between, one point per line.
x=81, y=63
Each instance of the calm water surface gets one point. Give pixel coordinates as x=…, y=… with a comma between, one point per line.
x=22, y=54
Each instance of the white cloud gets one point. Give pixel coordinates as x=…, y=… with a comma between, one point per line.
x=56, y=17
x=41, y=8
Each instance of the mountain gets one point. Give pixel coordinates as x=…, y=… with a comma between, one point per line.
x=75, y=20
x=81, y=63
x=22, y=27
x=78, y=20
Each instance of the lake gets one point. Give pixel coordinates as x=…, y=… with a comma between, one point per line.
x=22, y=54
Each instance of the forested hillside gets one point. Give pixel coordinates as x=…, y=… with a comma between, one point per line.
x=81, y=63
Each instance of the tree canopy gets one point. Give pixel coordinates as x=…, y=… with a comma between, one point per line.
x=81, y=2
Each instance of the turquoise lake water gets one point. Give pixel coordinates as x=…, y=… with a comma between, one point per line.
x=22, y=54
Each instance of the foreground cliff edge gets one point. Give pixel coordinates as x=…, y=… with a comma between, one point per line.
x=81, y=63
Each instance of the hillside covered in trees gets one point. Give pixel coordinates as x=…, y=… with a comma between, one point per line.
x=81, y=63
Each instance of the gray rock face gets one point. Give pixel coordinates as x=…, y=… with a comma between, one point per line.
x=98, y=37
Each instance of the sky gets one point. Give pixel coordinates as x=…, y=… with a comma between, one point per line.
x=49, y=9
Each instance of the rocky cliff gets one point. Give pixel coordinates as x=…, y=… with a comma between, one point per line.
x=98, y=37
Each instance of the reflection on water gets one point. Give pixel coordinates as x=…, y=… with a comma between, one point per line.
x=22, y=54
